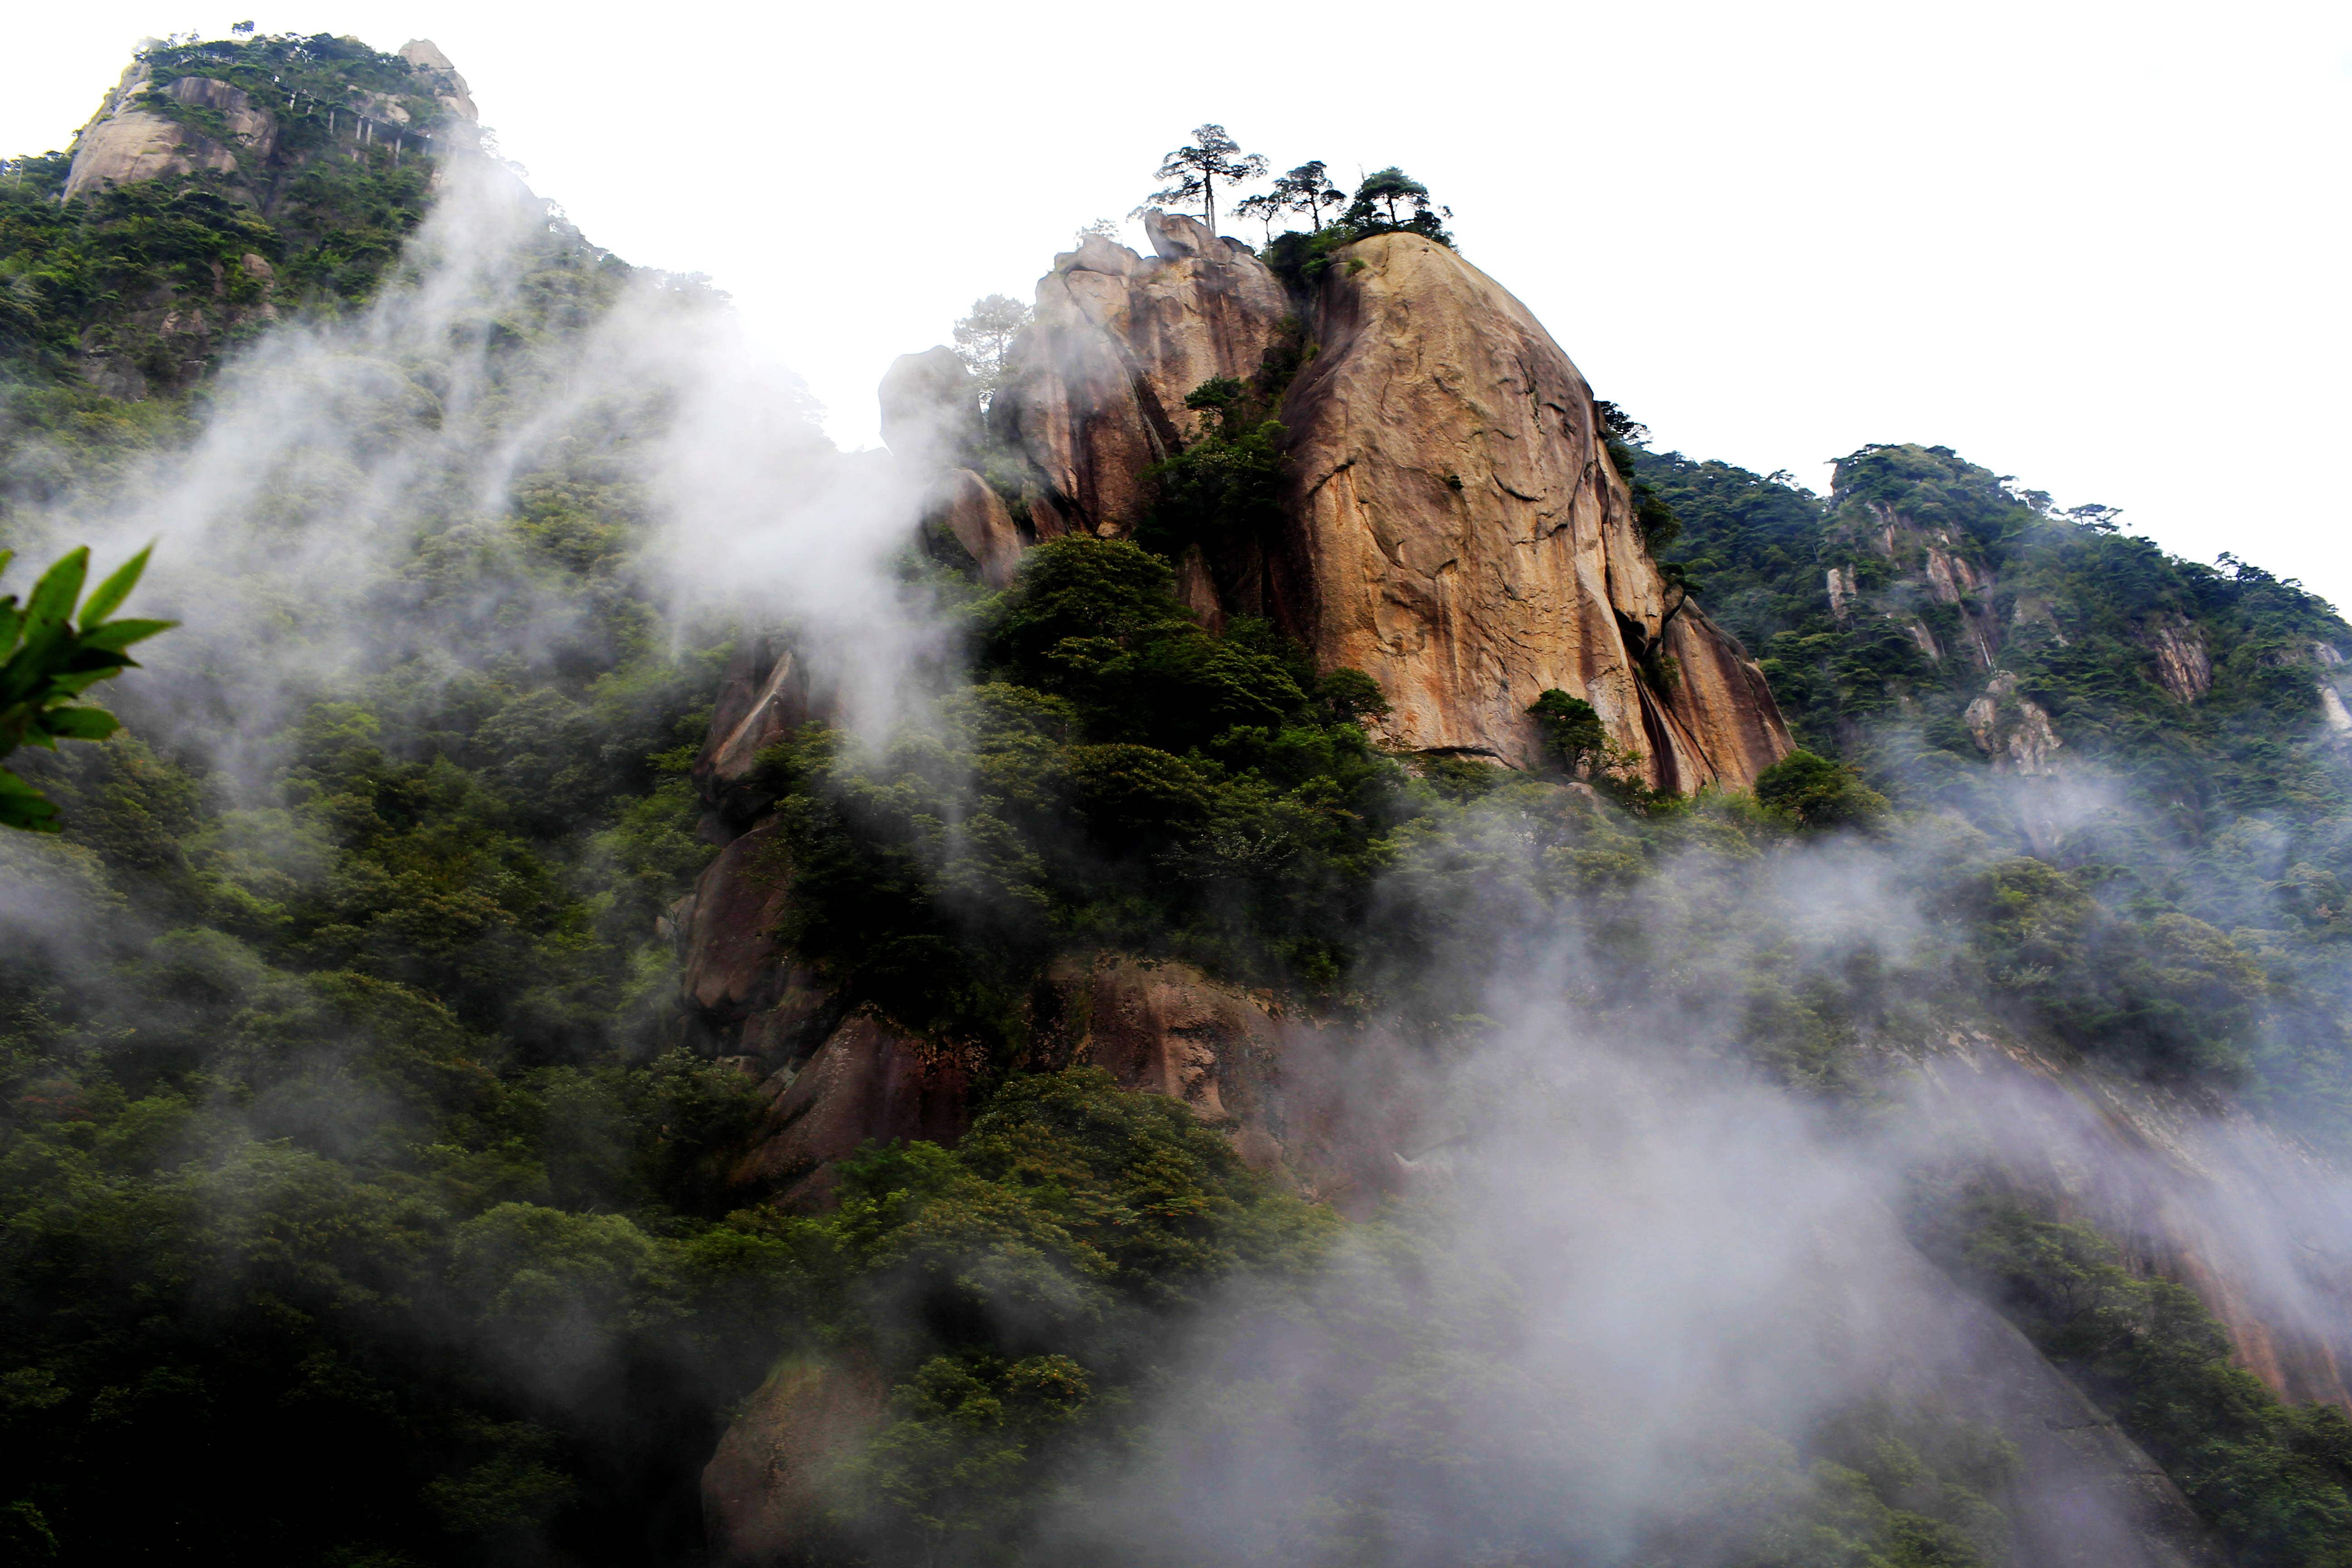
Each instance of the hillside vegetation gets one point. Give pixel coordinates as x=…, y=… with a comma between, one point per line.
x=358, y=1207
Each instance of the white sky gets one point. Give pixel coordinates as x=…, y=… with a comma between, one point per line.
x=2102, y=246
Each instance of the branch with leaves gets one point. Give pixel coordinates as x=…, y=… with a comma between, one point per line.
x=52, y=658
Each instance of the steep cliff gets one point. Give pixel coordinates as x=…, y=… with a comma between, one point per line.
x=1453, y=526
x=1461, y=536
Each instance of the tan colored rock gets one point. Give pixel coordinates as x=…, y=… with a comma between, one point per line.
x=1119, y=341
x=866, y=1082
x=1461, y=537
x=2183, y=663
x=763, y=697
x=124, y=143
x=2015, y=731
x=1840, y=587
x=967, y=507
x=776, y=1476
x=449, y=89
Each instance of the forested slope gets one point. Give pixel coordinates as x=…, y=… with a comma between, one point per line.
x=370, y=1194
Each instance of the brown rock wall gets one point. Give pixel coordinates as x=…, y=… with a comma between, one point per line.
x=764, y=697
x=1460, y=535
x=1117, y=343
x=866, y=1082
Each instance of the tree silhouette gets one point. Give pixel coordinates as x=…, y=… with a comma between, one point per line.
x=984, y=338
x=1375, y=210
x=1305, y=189
x=1196, y=169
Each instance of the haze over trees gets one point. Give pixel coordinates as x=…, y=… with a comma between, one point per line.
x=984, y=338
x=364, y=1206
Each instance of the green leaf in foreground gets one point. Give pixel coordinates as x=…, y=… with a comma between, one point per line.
x=49, y=664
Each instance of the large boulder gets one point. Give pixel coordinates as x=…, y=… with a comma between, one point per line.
x=1460, y=535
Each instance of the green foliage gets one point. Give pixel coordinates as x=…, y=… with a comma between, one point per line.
x=1818, y=792
x=1119, y=776
x=2274, y=1481
x=48, y=658
x=1373, y=209
x=1572, y=729
x=1305, y=190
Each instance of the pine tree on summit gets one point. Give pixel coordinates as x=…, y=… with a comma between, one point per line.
x=1307, y=189
x=1196, y=169
x=1375, y=210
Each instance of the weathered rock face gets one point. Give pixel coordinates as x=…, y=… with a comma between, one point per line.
x=124, y=143
x=768, y=1489
x=1330, y=1108
x=865, y=1082
x=764, y=697
x=2200, y=1195
x=1117, y=343
x=743, y=993
x=447, y=86
x=974, y=515
x=2015, y=730
x=1461, y=537
x=1456, y=531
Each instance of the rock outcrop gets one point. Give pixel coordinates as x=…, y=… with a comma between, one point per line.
x=866, y=1082
x=2203, y=1194
x=1456, y=529
x=126, y=142
x=2014, y=730
x=768, y=1490
x=448, y=89
x=1117, y=343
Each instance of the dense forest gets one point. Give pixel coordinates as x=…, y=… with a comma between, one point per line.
x=364, y=1200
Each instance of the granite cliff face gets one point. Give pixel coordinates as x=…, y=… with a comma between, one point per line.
x=240, y=153
x=1456, y=529
x=128, y=140
x=1462, y=538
